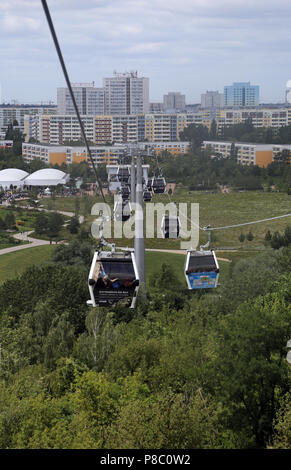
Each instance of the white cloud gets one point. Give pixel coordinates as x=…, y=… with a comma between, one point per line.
x=197, y=36
x=15, y=24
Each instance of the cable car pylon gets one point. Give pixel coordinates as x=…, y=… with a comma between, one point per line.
x=139, y=242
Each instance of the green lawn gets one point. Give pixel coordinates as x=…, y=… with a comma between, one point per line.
x=219, y=210
x=215, y=209
x=12, y=264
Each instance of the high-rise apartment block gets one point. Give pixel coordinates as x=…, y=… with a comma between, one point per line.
x=10, y=114
x=89, y=99
x=241, y=94
x=174, y=101
x=212, y=99
x=126, y=93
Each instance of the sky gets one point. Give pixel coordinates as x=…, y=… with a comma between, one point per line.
x=188, y=46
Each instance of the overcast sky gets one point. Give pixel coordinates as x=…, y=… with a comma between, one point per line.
x=182, y=45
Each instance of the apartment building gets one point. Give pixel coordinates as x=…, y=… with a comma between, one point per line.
x=89, y=99
x=59, y=154
x=174, y=101
x=261, y=117
x=247, y=153
x=174, y=148
x=11, y=113
x=212, y=99
x=241, y=94
x=58, y=129
x=6, y=144
x=126, y=93
x=151, y=127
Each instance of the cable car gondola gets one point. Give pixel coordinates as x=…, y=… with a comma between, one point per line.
x=170, y=226
x=201, y=269
x=122, y=210
x=113, y=277
x=123, y=174
x=125, y=192
x=159, y=185
x=149, y=184
x=147, y=196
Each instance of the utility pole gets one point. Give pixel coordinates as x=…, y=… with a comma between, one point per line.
x=139, y=244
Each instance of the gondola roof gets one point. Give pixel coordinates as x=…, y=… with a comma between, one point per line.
x=201, y=261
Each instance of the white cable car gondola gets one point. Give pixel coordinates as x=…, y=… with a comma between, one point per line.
x=201, y=269
x=123, y=174
x=113, y=277
x=122, y=210
x=158, y=185
x=170, y=226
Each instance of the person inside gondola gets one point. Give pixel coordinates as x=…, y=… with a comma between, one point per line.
x=114, y=283
x=128, y=283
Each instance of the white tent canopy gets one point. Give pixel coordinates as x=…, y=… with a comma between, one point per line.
x=12, y=176
x=47, y=177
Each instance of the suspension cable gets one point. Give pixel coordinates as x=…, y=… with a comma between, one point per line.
x=59, y=52
x=208, y=229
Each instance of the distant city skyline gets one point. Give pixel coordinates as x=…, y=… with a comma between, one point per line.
x=189, y=46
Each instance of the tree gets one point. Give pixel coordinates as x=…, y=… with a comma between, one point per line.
x=277, y=240
x=242, y=237
x=250, y=236
x=268, y=237
x=41, y=223
x=74, y=224
x=77, y=206
x=55, y=222
x=3, y=225
x=282, y=425
x=213, y=130
x=10, y=220
x=75, y=252
x=251, y=372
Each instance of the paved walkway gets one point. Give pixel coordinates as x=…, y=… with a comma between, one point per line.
x=181, y=252
x=34, y=241
x=24, y=237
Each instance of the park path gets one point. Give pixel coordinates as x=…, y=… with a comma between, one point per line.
x=181, y=252
x=24, y=237
x=33, y=242
x=37, y=242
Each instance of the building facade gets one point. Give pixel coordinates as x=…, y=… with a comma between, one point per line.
x=246, y=153
x=212, y=99
x=89, y=99
x=11, y=113
x=59, y=154
x=150, y=127
x=241, y=94
x=174, y=102
x=126, y=93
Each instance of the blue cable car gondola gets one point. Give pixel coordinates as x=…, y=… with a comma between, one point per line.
x=113, y=277
x=201, y=269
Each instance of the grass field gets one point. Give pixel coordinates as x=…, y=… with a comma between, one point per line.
x=12, y=264
x=215, y=209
